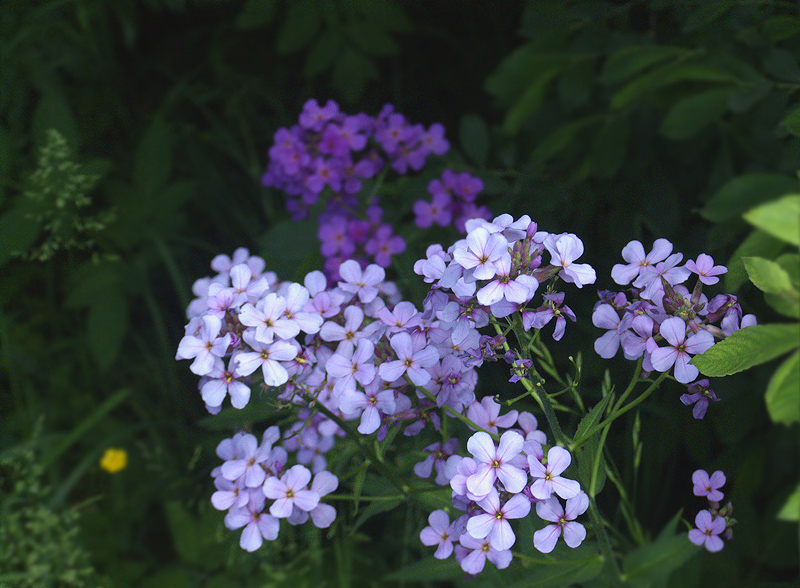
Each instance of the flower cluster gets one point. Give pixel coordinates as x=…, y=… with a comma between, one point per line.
x=500, y=483
x=453, y=201
x=659, y=320
x=496, y=270
x=253, y=473
x=715, y=521
x=331, y=150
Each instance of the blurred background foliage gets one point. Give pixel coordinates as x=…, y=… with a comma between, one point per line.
x=133, y=135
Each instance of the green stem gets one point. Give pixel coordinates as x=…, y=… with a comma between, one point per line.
x=450, y=410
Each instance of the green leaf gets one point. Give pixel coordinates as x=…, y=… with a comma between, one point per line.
x=706, y=13
x=430, y=569
x=609, y=149
x=691, y=115
x=387, y=14
x=153, y=160
x=748, y=347
x=590, y=458
x=474, y=136
x=595, y=416
x=788, y=304
x=791, y=510
x=256, y=14
x=780, y=218
x=54, y=112
x=562, y=137
x=783, y=65
x=530, y=101
x=323, y=52
x=767, y=275
x=300, y=26
x=669, y=75
x=742, y=193
x=106, y=325
x=234, y=418
x=376, y=507
x=633, y=59
x=565, y=567
x=371, y=38
x=783, y=391
x=351, y=73
x=756, y=244
x=287, y=244
x=650, y=563
x=792, y=122
x=170, y=577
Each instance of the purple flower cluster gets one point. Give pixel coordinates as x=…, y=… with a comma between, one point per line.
x=253, y=473
x=453, y=202
x=659, y=320
x=500, y=483
x=496, y=270
x=331, y=150
x=715, y=521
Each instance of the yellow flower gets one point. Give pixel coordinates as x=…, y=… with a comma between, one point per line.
x=114, y=460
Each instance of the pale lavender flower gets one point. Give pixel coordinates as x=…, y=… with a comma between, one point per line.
x=547, y=478
x=412, y=358
x=495, y=462
x=708, y=486
x=289, y=491
x=493, y=524
x=205, y=347
x=708, y=530
x=371, y=404
x=364, y=284
x=480, y=252
x=268, y=358
x=705, y=269
x=699, y=394
x=351, y=365
x=486, y=414
x=221, y=382
x=564, y=250
x=268, y=319
x=474, y=553
x=519, y=290
x=258, y=525
x=551, y=510
x=440, y=533
x=634, y=254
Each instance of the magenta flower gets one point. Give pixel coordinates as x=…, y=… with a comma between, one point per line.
x=494, y=524
x=708, y=530
x=551, y=510
x=709, y=486
x=495, y=462
x=439, y=533
x=680, y=349
x=705, y=269
x=547, y=478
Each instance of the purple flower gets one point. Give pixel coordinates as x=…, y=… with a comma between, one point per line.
x=547, y=479
x=480, y=251
x=708, y=486
x=364, y=284
x=699, y=395
x=680, y=349
x=495, y=462
x=493, y=523
x=708, y=530
x=383, y=244
x=486, y=414
x=706, y=270
x=413, y=357
x=439, y=533
x=438, y=211
x=371, y=403
x=551, y=510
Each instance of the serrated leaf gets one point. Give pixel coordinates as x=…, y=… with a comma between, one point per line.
x=742, y=193
x=256, y=14
x=791, y=510
x=759, y=244
x=669, y=75
x=651, y=562
x=633, y=59
x=474, y=136
x=792, y=122
x=530, y=100
x=748, y=347
x=323, y=52
x=153, y=160
x=783, y=391
x=301, y=24
x=780, y=218
x=106, y=324
x=689, y=116
x=767, y=275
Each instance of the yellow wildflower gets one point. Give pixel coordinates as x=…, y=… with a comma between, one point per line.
x=114, y=460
